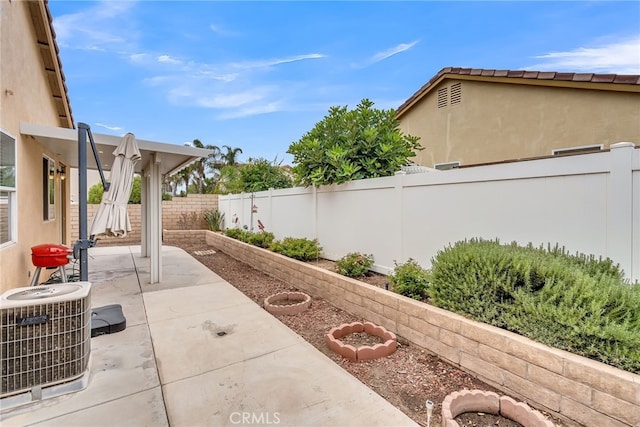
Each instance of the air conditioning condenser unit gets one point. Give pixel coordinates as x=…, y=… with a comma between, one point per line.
x=45, y=341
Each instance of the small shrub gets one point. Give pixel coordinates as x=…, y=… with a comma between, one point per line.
x=354, y=264
x=410, y=280
x=297, y=248
x=214, y=219
x=237, y=233
x=189, y=221
x=261, y=239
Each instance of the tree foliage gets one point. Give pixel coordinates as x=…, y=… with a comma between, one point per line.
x=352, y=144
x=255, y=175
x=261, y=174
x=96, y=191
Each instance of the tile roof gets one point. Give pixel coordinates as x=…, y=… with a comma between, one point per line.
x=520, y=74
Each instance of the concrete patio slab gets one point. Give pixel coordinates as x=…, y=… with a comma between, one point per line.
x=121, y=365
x=294, y=386
x=141, y=409
x=120, y=288
x=170, y=304
x=248, y=332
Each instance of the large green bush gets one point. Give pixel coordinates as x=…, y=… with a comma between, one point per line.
x=365, y=142
x=573, y=302
x=298, y=248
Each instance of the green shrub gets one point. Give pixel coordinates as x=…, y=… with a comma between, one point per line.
x=237, y=233
x=572, y=302
x=298, y=248
x=354, y=264
x=262, y=239
x=214, y=219
x=409, y=279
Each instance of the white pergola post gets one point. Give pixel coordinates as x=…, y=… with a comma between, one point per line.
x=154, y=217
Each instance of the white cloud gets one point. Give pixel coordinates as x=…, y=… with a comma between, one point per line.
x=621, y=57
x=216, y=29
x=113, y=128
x=105, y=26
x=231, y=100
x=252, y=110
x=276, y=61
x=402, y=47
x=168, y=59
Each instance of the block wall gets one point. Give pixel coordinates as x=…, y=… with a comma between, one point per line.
x=177, y=214
x=572, y=387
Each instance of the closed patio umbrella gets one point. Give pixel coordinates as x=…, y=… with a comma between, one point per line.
x=112, y=215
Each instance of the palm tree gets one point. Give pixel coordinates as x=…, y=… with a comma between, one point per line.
x=231, y=156
x=199, y=167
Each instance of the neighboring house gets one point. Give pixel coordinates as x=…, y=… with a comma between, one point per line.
x=39, y=146
x=471, y=116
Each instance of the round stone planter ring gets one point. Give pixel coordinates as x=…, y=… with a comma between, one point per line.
x=365, y=352
x=488, y=402
x=287, y=303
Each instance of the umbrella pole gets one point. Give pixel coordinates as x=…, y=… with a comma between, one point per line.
x=84, y=243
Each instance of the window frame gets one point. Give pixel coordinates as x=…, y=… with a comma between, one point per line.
x=12, y=194
x=48, y=189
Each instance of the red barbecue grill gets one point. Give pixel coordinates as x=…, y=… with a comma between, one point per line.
x=49, y=255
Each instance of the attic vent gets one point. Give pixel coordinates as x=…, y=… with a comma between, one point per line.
x=456, y=93
x=442, y=97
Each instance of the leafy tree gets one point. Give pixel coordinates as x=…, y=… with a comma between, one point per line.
x=255, y=175
x=352, y=144
x=97, y=190
x=261, y=174
x=229, y=181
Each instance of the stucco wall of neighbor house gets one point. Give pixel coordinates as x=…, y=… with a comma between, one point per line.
x=25, y=95
x=501, y=121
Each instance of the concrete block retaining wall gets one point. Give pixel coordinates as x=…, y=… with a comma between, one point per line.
x=176, y=214
x=572, y=387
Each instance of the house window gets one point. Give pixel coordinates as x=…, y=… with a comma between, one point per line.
x=443, y=97
x=577, y=150
x=8, y=207
x=48, y=189
x=446, y=166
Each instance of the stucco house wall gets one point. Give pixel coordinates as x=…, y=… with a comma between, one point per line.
x=497, y=119
x=26, y=95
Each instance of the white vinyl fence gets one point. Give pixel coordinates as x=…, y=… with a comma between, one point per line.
x=588, y=203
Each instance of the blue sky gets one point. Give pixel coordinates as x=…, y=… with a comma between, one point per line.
x=259, y=75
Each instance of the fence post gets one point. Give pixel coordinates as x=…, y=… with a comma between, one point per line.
x=620, y=208
x=399, y=203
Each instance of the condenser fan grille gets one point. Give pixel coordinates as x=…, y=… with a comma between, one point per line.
x=44, y=344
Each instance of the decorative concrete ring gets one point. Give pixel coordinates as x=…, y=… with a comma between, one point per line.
x=488, y=402
x=365, y=352
x=294, y=303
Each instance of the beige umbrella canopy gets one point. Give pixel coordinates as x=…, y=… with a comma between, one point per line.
x=112, y=216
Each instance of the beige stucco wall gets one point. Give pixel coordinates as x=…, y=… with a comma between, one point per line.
x=25, y=96
x=502, y=121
